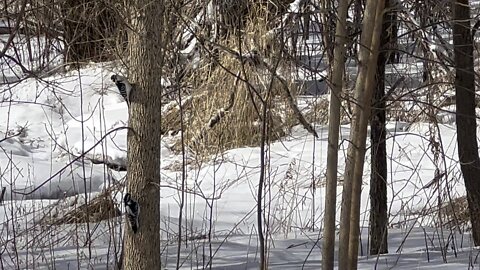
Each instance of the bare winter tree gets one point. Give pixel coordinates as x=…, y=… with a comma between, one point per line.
x=333, y=134
x=349, y=222
x=465, y=114
x=146, y=58
x=378, y=228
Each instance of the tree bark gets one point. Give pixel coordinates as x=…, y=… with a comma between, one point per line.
x=378, y=177
x=360, y=138
x=147, y=43
x=364, y=55
x=349, y=222
x=465, y=113
x=333, y=130
x=328, y=21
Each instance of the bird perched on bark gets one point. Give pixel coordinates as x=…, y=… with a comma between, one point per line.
x=124, y=87
x=132, y=209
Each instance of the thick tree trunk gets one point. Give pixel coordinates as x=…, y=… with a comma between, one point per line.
x=378, y=178
x=333, y=130
x=146, y=57
x=465, y=116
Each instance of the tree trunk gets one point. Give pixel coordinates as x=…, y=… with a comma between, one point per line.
x=378, y=179
x=360, y=137
x=465, y=114
x=358, y=10
x=333, y=130
x=328, y=21
x=366, y=40
x=349, y=222
x=147, y=45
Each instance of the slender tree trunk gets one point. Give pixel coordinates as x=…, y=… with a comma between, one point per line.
x=358, y=9
x=366, y=40
x=423, y=13
x=328, y=26
x=333, y=130
x=146, y=57
x=360, y=138
x=349, y=222
x=465, y=116
x=378, y=178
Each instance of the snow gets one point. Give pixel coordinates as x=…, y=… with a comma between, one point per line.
x=49, y=113
x=50, y=122
x=25, y=55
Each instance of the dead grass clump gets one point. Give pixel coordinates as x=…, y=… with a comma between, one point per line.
x=171, y=120
x=456, y=212
x=225, y=110
x=317, y=111
x=227, y=113
x=99, y=208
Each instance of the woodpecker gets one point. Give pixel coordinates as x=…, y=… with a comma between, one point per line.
x=132, y=210
x=124, y=87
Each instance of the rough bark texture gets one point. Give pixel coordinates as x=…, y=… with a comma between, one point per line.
x=465, y=116
x=378, y=178
x=333, y=130
x=146, y=58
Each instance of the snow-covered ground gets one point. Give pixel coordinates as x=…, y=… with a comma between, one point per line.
x=49, y=123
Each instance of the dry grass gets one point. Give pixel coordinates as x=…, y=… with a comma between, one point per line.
x=456, y=212
x=240, y=124
x=99, y=208
x=317, y=111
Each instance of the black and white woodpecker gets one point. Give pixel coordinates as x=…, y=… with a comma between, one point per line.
x=132, y=210
x=124, y=87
